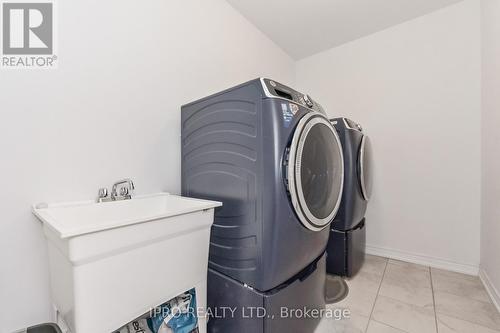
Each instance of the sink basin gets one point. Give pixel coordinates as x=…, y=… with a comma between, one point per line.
x=78, y=218
x=112, y=262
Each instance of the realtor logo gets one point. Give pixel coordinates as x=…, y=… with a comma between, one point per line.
x=28, y=35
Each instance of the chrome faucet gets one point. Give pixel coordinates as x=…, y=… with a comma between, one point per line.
x=126, y=189
x=103, y=195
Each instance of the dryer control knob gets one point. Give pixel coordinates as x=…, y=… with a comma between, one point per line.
x=308, y=101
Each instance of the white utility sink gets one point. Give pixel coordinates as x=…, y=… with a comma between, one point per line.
x=111, y=262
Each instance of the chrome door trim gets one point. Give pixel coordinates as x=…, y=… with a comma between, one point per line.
x=361, y=160
x=305, y=125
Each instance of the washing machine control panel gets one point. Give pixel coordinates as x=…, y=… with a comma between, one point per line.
x=275, y=89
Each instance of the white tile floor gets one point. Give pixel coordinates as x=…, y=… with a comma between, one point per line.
x=389, y=296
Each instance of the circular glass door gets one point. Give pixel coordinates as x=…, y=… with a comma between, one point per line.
x=315, y=171
x=365, y=165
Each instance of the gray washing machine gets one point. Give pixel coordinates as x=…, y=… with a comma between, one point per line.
x=272, y=157
x=346, y=247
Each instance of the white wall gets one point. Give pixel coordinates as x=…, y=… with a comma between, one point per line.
x=415, y=88
x=111, y=110
x=490, y=231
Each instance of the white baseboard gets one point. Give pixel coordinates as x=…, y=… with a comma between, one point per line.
x=490, y=288
x=423, y=260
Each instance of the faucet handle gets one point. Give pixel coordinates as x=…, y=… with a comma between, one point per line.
x=126, y=187
x=103, y=192
x=102, y=195
x=124, y=191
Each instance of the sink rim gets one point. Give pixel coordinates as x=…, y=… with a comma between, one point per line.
x=41, y=211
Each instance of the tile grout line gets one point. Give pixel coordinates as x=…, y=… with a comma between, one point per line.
x=413, y=305
x=378, y=291
x=385, y=324
x=434, y=301
x=482, y=325
x=455, y=316
x=429, y=269
x=468, y=279
x=470, y=299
